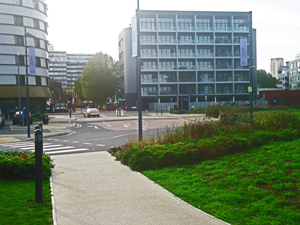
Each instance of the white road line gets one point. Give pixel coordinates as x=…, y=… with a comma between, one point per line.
x=96, y=127
x=33, y=147
x=75, y=141
x=107, y=124
x=21, y=145
x=59, y=148
x=100, y=145
x=126, y=125
x=66, y=151
x=86, y=143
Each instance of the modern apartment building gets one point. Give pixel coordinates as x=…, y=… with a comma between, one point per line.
x=188, y=53
x=283, y=76
x=275, y=65
x=16, y=17
x=66, y=68
x=294, y=73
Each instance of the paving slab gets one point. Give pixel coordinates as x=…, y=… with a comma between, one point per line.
x=93, y=188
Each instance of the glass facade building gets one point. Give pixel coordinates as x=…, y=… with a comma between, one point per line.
x=188, y=53
x=16, y=16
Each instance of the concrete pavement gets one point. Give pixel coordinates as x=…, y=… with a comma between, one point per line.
x=93, y=188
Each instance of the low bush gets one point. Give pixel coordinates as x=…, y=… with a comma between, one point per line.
x=20, y=165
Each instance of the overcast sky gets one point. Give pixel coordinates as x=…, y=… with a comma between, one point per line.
x=91, y=26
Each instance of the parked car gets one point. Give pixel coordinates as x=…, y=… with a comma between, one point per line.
x=91, y=112
x=16, y=118
x=2, y=120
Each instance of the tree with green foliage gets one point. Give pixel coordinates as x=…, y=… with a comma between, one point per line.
x=78, y=87
x=99, y=78
x=265, y=80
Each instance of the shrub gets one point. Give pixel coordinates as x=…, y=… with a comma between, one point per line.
x=23, y=168
x=142, y=160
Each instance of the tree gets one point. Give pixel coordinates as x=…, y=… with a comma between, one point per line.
x=78, y=87
x=265, y=80
x=99, y=78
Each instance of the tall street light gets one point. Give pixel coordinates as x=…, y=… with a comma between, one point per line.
x=27, y=88
x=19, y=88
x=138, y=66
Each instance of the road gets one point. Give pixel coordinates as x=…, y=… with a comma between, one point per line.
x=98, y=134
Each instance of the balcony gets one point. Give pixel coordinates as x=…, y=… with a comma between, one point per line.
x=148, y=68
x=167, y=67
x=246, y=78
x=224, y=79
x=166, y=28
x=186, y=28
x=242, y=29
x=224, y=67
x=147, y=81
x=168, y=93
x=241, y=67
x=223, y=28
x=205, y=55
x=241, y=91
x=148, y=28
x=208, y=67
x=206, y=79
x=166, y=55
x=186, y=55
x=148, y=55
x=203, y=92
x=207, y=41
x=149, y=93
x=186, y=41
x=172, y=41
x=187, y=67
x=202, y=28
x=223, y=92
x=223, y=54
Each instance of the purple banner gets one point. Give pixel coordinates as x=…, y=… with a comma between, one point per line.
x=243, y=52
x=31, y=54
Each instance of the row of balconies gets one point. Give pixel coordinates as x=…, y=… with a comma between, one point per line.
x=173, y=41
x=152, y=27
x=208, y=67
x=188, y=55
x=202, y=80
x=203, y=92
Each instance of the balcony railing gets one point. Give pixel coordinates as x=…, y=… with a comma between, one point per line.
x=206, y=79
x=167, y=41
x=163, y=80
x=143, y=41
x=147, y=81
x=241, y=78
x=167, y=55
x=221, y=92
x=143, y=68
x=205, y=55
x=220, y=79
x=190, y=28
x=210, y=67
x=167, y=28
x=186, y=67
x=241, y=91
x=204, y=28
x=225, y=67
x=209, y=41
x=186, y=79
x=241, y=67
x=148, y=55
x=149, y=93
x=186, y=54
x=186, y=41
x=167, y=67
x=151, y=28
x=245, y=29
x=220, y=54
x=168, y=93
x=223, y=28
x=202, y=92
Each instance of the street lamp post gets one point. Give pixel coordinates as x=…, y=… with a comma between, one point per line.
x=27, y=88
x=19, y=88
x=138, y=65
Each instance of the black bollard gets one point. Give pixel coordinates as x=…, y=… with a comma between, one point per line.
x=37, y=127
x=38, y=141
x=41, y=126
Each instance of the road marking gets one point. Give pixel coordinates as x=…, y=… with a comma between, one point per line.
x=44, y=147
x=67, y=151
x=126, y=125
x=107, y=124
x=86, y=143
x=100, y=145
x=58, y=148
x=96, y=127
x=75, y=141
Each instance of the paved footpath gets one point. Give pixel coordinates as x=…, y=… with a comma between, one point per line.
x=93, y=188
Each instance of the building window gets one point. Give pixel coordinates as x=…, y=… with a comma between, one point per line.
x=37, y=43
x=20, y=59
x=38, y=80
x=121, y=42
x=43, y=81
x=22, y=80
x=8, y=79
x=36, y=24
x=19, y=40
x=17, y=2
x=35, y=4
x=31, y=80
x=18, y=20
x=37, y=62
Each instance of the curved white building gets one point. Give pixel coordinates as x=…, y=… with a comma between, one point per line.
x=16, y=17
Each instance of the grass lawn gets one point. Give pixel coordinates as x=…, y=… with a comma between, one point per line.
x=17, y=204
x=261, y=186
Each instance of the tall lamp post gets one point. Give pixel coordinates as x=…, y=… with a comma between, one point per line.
x=19, y=88
x=138, y=66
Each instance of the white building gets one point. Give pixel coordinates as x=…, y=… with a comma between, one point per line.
x=275, y=65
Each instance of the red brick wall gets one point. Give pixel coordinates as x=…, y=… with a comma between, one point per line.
x=290, y=97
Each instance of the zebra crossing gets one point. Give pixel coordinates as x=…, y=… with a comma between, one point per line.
x=49, y=148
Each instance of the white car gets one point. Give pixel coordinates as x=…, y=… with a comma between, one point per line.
x=91, y=112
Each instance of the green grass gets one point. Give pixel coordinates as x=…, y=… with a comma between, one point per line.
x=18, y=206
x=261, y=186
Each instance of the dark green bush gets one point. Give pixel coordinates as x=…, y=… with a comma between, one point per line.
x=18, y=168
x=142, y=160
